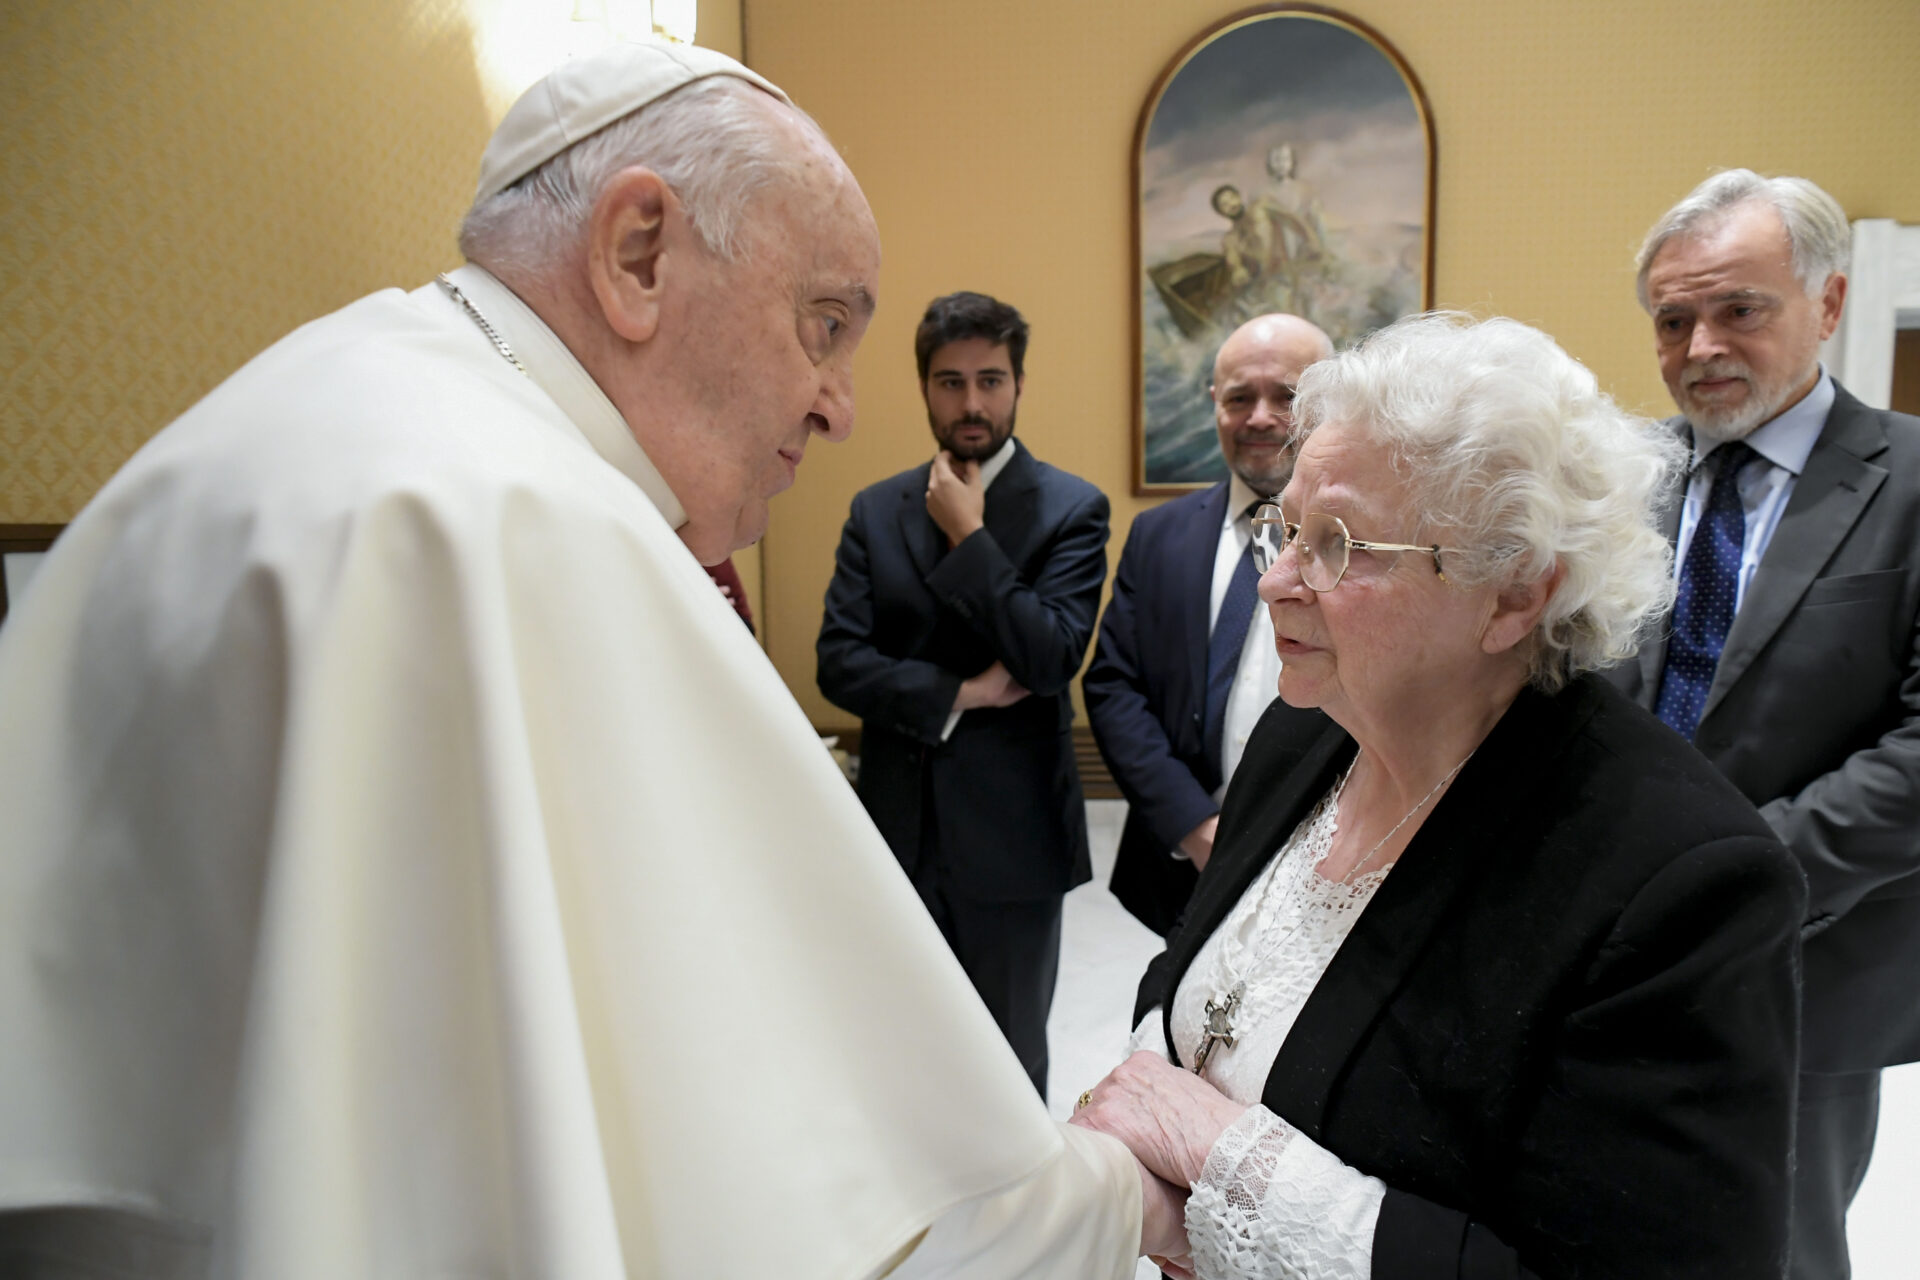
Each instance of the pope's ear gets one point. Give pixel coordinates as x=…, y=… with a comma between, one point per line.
x=626, y=251
x=1517, y=610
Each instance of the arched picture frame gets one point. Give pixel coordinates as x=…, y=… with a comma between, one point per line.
x=1284, y=161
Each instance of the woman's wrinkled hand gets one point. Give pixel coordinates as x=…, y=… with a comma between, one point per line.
x=1168, y=1118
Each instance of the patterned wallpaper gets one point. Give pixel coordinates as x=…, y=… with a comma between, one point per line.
x=183, y=181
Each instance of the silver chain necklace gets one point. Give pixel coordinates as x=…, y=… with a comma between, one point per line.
x=493, y=335
x=1225, y=1003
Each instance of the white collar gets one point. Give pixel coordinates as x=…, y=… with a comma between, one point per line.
x=556, y=371
x=1786, y=439
x=1240, y=496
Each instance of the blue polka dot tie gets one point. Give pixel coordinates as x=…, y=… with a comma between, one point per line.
x=1703, y=610
x=1223, y=649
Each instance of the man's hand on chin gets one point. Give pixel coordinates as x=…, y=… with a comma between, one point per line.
x=956, y=498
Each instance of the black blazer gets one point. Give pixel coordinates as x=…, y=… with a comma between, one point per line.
x=1146, y=692
x=907, y=620
x=1563, y=1032
x=1814, y=714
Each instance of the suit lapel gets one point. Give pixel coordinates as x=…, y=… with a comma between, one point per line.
x=1010, y=508
x=1278, y=783
x=1481, y=818
x=1196, y=593
x=1827, y=499
x=925, y=542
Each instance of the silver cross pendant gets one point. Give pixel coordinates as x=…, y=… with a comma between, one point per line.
x=1219, y=1026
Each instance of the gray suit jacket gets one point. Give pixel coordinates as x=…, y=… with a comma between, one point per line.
x=1814, y=714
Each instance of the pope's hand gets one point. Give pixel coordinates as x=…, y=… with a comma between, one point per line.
x=1168, y=1118
x=1163, y=1218
x=956, y=498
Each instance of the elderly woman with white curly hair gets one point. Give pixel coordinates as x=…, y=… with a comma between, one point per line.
x=1490, y=974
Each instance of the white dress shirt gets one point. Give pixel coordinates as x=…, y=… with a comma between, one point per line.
x=1256, y=682
x=990, y=469
x=1785, y=443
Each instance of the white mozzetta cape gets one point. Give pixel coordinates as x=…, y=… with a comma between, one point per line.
x=411, y=867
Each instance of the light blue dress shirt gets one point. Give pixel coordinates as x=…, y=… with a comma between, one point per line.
x=1784, y=442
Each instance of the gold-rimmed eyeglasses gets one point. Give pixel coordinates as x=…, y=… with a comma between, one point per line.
x=1321, y=545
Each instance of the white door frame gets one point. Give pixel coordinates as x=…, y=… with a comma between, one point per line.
x=1883, y=295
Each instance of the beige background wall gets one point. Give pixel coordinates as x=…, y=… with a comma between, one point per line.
x=993, y=138
x=182, y=181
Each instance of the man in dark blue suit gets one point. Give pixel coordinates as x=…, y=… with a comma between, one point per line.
x=1793, y=659
x=1185, y=663
x=963, y=596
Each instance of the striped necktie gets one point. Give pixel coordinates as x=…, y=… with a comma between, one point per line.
x=1224, y=645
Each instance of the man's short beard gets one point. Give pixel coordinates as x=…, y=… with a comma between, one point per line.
x=976, y=452
x=1763, y=402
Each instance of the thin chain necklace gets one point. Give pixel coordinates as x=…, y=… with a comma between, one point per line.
x=493, y=335
x=1225, y=1003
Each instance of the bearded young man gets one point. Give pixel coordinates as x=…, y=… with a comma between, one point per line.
x=1185, y=663
x=1793, y=661
x=963, y=596
x=412, y=866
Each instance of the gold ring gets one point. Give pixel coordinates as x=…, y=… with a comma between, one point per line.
x=1085, y=1098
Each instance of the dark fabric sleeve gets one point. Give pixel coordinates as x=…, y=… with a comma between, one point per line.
x=1040, y=632
x=1854, y=828
x=1661, y=1143
x=1135, y=745
x=907, y=695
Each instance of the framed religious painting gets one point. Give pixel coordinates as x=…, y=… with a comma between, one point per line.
x=1284, y=161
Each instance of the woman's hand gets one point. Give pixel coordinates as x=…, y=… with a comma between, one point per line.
x=1168, y=1118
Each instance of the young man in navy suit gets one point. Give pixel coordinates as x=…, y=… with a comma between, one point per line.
x=963, y=597
x=1185, y=662
x=1793, y=658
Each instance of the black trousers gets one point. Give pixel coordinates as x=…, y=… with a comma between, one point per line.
x=1832, y=1144
x=1011, y=953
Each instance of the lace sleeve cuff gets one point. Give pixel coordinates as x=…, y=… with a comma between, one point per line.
x=1272, y=1202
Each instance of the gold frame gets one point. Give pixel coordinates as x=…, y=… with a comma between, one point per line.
x=1225, y=27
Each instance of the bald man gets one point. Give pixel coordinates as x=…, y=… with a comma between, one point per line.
x=1185, y=663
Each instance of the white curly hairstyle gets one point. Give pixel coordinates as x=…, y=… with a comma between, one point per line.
x=1511, y=451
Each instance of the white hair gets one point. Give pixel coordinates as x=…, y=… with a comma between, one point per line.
x=1817, y=227
x=1511, y=452
x=709, y=142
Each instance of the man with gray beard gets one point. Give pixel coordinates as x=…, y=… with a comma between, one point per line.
x=1185, y=663
x=1792, y=660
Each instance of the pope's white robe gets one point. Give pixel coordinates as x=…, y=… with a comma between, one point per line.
x=409, y=866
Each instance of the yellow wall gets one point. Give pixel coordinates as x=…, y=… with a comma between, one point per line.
x=993, y=138
x=183, y=181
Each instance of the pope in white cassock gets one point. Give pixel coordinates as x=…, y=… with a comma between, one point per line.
x=410, y=865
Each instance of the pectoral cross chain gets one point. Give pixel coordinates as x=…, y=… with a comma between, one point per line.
x=1219, y=1030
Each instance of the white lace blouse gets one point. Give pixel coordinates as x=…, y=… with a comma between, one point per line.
x=1272, y=1204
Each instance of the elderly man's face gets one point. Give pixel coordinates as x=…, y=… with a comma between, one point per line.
x=1737, y=335
x=1253, y=384
x=763, y=346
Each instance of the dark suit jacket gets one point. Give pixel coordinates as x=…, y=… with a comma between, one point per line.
x=1814, y=714
x=907, y=620
x=1146, y=694
x=1563, y=1032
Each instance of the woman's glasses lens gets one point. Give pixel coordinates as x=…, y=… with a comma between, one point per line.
x=1320, y=545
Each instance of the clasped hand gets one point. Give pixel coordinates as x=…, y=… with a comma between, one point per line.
x=1170, y=1120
